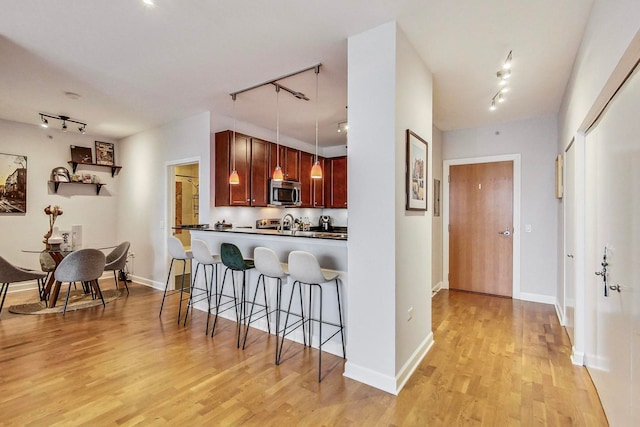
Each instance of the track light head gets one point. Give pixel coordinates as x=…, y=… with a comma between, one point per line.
x=64, y=126
x=45, y=122
x=493, y=105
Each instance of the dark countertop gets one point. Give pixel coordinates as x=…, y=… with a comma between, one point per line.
x=333, y=235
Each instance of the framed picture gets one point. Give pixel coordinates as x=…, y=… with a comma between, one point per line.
x=417, y=152
x=81, y=154
x=104, y=154
x=436, y=197
x=13, y=183
x=559, y=181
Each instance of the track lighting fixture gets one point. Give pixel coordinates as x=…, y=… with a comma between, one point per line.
x=277, y=172
x=504, y=75
x=234, y=178
x=64, y=119
x=316, y=169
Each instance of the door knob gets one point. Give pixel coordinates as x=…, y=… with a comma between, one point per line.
x=569, y=255
x=506, y=232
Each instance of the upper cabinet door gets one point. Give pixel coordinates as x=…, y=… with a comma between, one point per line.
x=306, y=186
x=260, y=172
x=338, y=184
x=292, y=164
x=226, y=153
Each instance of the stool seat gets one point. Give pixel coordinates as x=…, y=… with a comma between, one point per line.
x=266, y=263
x=203, y=256
x=177, y=253
x=305, y=270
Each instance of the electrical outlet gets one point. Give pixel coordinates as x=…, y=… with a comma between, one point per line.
x=410, y=312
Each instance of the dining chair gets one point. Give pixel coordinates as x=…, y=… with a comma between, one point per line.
x=86, y=266
x=116, y=261
x=10, y=273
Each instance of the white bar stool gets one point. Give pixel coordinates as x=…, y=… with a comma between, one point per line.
x=203, y=256
x=304, y=269
x=178, y=253
x=268, y=265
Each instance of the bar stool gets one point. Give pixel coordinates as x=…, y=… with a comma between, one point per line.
x=203, y=256
x=178, y=253
x=233, y=261
x=268, y=265
x=304, y=269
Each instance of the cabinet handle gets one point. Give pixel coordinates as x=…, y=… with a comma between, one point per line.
x=253, y=201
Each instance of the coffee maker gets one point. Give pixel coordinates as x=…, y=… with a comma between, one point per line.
x=325, y=223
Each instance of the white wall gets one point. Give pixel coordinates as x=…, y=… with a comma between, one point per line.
x=414, y=94
x=609, y=48
x=389, y=90
x=371, y=265
x=142, y=212
x=46, y=149
x=536, y=141
x=436, y=228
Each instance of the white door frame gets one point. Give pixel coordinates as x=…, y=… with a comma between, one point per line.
x=516, y=213
x=169, y=195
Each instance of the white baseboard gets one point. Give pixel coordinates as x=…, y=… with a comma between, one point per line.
x=369, y=377
x=560, y=315
x=146, y=282
x=544, y=299
x=436, y=288
x=577, y=357
x=414, y=361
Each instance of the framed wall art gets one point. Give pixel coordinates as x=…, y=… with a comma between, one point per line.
x=81, y=154
x=13, y=183
x=105, y=153
x=416, y=170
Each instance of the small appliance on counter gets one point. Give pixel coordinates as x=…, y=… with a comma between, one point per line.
x=325, y=223
x=268, y=224
x=222, y=225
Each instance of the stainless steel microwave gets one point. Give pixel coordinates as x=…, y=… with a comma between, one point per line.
x=284, y=193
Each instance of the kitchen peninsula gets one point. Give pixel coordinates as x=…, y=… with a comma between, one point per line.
x=329, y=248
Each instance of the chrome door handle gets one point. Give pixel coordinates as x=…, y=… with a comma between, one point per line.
x=506, y=232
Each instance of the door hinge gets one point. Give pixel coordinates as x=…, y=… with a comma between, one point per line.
x=449, y=228
x=449, y=178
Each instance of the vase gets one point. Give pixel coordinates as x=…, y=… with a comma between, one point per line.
x=55, y=240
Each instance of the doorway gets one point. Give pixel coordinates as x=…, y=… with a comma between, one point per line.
x=184, y=206
x=481, y=225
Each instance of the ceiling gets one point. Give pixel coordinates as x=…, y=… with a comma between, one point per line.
x=137, y=67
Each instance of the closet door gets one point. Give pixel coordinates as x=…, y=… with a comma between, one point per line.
x=613, y=227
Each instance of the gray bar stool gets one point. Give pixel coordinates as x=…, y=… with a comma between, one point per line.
x=304, y=269
x=268, y=265
x=177, y=252
x=203, y=256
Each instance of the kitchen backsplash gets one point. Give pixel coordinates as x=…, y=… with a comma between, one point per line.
x=242, y=216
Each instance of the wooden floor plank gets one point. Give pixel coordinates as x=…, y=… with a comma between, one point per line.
x=495, y=362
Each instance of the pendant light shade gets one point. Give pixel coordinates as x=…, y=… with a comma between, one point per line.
x=316, y=170
x=277, y=172
x=234, y=178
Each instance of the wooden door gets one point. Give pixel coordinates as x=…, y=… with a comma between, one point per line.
x=568, y=297
x=260, y=172
x=480, y=213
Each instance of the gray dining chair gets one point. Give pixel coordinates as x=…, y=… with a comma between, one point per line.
x=10, y=273
x=85, y=265
x=116, y=261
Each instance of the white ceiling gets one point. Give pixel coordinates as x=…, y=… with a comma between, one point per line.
x=137, y=67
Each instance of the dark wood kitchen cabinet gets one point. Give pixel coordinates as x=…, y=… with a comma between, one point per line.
x=251, y=163
x=289, y=162
x=336, y=182
x=312, y=190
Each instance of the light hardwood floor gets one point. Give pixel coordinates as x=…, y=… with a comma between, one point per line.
x=495, y=362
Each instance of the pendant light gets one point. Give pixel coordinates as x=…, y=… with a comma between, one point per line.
x=277, y=172
x=316, y=170
x=234, y=179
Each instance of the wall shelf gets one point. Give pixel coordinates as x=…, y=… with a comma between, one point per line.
x=57, y=184
x=114, y=169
